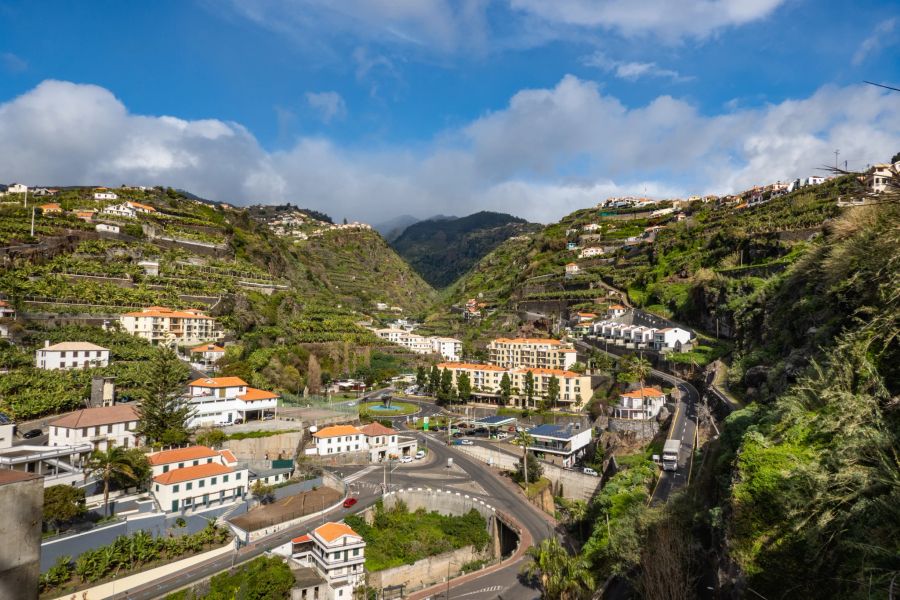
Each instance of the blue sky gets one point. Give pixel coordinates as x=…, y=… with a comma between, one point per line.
x=392, y=106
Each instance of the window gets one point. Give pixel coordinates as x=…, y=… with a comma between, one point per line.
x=237, y=476
x=175, y=488
x=180, y=465
x=208, y=460
x=196, y=462
x=189, y=485
x=202, y=483
x=212, y=481
x=224, y=478
x=165, y=468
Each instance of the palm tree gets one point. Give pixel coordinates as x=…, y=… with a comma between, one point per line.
x=639, y=368
x=561, y=576
x=112, y=464
x=524, y=440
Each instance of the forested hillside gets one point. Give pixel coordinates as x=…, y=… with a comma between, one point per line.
x=442, y=250
x=303, y=296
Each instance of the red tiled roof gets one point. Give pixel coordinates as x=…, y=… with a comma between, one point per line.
x=190, y=453
x=228, y=456
x=218, y=382
x=255, y=394
x=303, y=538
x=469, y=366
x=332, y=531
x=377, y=429
x=101, y=415
x=161, y=311
x=647, y=392
x=208, y=348
x=336, y=430
x=189, y=473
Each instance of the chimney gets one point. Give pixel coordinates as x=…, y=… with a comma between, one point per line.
x=46, y=343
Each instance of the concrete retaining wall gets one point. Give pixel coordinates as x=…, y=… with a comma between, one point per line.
x=283, y=445
x=427, y=571
x=568, y=484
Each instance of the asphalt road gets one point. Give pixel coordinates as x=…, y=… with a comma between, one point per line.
x=683, y=428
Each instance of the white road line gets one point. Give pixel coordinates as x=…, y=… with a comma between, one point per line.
x=359, y=474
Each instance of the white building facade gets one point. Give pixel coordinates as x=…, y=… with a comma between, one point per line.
x=71, y=355
x=195, y=478
x=103, y=427
x=161, y=325
x=226, y=400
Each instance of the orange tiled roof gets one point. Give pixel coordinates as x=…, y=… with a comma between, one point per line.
x=179, y=454
x=301, y=539
x=377, y=429
x=50, y=206
x=218, y=382
x=208, y=348
x=336, y=430
x=161, y=311
x=189, y=473
x=332, y=531
x=616, y=307
x=139, y=205
x=255, y=394
x=647, y=392
x=471, y=366
x=100, y=415
x=228, y=455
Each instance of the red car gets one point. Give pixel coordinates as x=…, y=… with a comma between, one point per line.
x=349, y=502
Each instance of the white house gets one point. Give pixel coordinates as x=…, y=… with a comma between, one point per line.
x=225, y=400
x=879, y=177
x=102, y=426
x=194, y=478
x=71, y=355
x=17, y=188
x=207, y=354
x=644, y=403
x=105, y=196
x=813, y=180
x=590, y=252
x=128, y=209
x=670, y=338
x=339, y=439
x=449, y=348
x=572, y=269
x=103, y=227
x=379, y=441
x=564, y=444
x=337, y=553
x=6, y=310
x=592, y=227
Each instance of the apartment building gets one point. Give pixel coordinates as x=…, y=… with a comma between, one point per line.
x=71, y=355
x=103, y=427
x=531, y=353
x=158, y=324
x=562, y=444
x=449, y=348
x=227, y=400
x=196, y=477
x=338, y=554
x=574, y=388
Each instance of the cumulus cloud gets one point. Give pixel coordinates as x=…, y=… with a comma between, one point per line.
x=545, y=153
x=880, y=37
x=329, y=105
x=630, y=70
x=672, y=21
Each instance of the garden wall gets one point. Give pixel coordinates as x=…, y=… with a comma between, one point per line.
x=427, y=571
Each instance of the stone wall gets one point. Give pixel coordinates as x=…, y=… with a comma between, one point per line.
x=427, y=571
x=22, y=498
x=566, y=483
x=283, y=445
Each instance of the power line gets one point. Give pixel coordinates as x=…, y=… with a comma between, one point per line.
x=887, y=87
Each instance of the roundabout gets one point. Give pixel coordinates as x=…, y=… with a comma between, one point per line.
x=396, y=408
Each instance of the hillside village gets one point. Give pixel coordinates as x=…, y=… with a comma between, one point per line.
x=173, y=361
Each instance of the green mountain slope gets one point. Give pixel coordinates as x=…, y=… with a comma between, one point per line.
x=442, y=250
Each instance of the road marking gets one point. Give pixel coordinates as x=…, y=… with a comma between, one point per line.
x=487, y=590
x=360, y=474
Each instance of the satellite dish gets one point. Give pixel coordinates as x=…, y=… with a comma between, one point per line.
x=313, y=428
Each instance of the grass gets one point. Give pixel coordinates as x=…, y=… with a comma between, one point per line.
x=536, y=487
x=247, y=435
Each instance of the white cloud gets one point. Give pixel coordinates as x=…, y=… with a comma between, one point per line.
x=631, y=70
x=547, y=152
x=663, y=18
x=882, y=36
x=329, y=105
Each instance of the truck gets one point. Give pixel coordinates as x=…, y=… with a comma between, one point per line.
x=670, y=455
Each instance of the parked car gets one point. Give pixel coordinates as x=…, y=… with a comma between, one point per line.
x=406, y=459
x=466, y=442
x=349, y=502
x=458, y=434
x=590, y=471
x=238, y=422
x=32, y=433
x=502, y=436
x=420, y=454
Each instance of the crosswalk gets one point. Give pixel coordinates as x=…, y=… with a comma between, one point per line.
x=487, y=590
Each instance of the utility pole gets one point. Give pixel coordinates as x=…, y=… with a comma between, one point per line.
x=32, y=219
x=836, y=154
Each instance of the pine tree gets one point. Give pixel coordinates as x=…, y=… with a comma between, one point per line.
x=553, y=391
x=163, y=414
x=505, y=388
x=529, y=387
x=434, y=380
x=463, y=387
